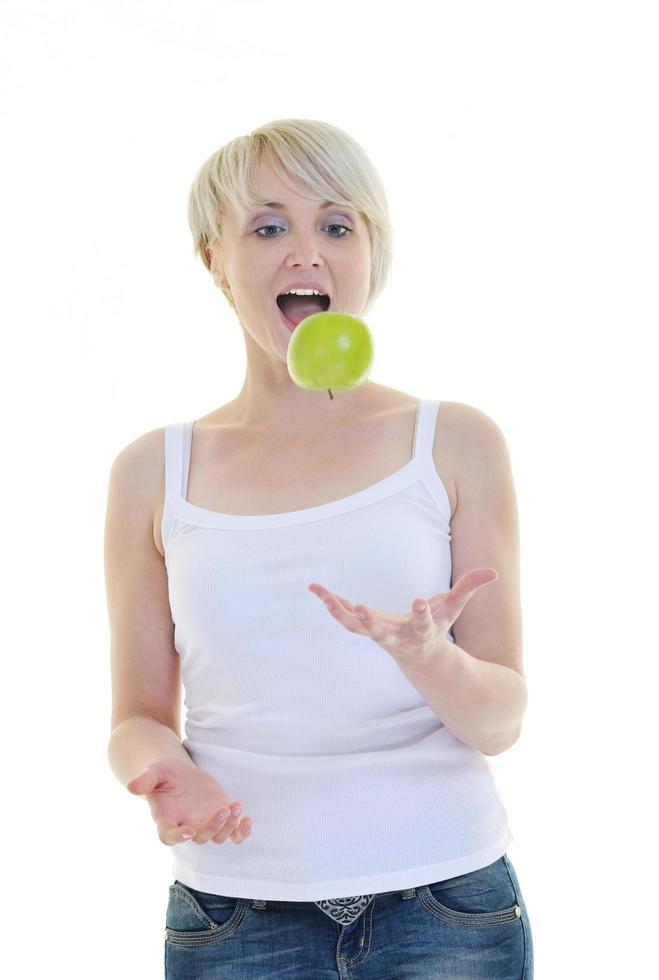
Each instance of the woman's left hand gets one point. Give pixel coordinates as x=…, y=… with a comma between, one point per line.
x=417, y=636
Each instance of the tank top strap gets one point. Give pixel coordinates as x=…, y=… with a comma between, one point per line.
x=424, y=432
x=186, y=449
x=178, y=438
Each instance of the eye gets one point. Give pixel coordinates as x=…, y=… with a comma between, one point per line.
x=349, y=230
x=265, y=228
x=333, y=225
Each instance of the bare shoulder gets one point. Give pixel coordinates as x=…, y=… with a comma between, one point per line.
x=143, y=459
x=142, y=465
x=465, y=423
x=465, y=437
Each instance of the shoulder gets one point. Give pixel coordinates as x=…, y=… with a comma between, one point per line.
x=467, y=421
x=466, y=428
x=470, y=442
x=144, y=456
x=140, y=465
x=137, y=475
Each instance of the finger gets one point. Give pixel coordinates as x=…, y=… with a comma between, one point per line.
x=422, y=620
x=346, y=617
x=217, y=823
x=322, y=593
x=339, y=600
x=177, y=835
x=144, y=783
x=236, y=836
x=450, y=604
x=473, y=580
x=467, y=587
x=345, y=602
x=364, y=615
x=219, y=835
x=358, y=618
x=243, y=831
x=380, y=630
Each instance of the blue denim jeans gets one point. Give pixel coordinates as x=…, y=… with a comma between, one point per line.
x=471, y=926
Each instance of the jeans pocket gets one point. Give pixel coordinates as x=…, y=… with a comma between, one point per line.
x=196, y=918
x=485, y=897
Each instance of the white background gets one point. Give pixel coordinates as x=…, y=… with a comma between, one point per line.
x=517, y=143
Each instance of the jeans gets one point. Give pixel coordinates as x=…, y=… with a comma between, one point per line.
x=471, y=926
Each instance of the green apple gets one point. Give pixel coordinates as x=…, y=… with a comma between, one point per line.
x=330, y=350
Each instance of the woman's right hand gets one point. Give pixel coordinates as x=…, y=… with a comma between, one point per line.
x=183, y=799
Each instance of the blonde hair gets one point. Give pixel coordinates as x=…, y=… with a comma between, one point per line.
x=325, y=159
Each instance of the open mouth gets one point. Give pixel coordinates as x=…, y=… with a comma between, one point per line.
x=295, y=309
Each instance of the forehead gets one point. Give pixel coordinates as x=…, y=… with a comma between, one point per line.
x=268, y=188
x=268, y=185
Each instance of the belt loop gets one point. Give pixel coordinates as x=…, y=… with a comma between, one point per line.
x=258, y=903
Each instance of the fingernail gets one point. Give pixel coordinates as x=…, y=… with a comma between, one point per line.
x=186, y=835
x=420, y=606
x=235, y=809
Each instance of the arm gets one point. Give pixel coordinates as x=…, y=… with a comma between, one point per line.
x=138, y=740
x=480, y=702
x=185, y=802
x=145, y=666
x=477, y=685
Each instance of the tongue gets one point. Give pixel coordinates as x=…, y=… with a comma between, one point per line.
x=298, y=308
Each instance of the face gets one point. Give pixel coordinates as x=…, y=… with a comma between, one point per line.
x=268, y=249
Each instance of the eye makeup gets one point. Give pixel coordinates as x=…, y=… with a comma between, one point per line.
x=257, y=213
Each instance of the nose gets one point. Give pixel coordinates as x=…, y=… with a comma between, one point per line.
x=304, y=250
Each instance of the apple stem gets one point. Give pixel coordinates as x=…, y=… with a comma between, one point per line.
x=330, y=393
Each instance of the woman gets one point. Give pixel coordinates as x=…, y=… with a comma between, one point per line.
x=268, y=556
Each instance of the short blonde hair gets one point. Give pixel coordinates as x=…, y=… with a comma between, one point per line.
x=325, y=159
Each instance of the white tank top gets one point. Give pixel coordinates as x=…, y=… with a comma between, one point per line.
x=353, y=783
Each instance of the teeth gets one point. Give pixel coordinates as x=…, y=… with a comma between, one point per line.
x=302, y=292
